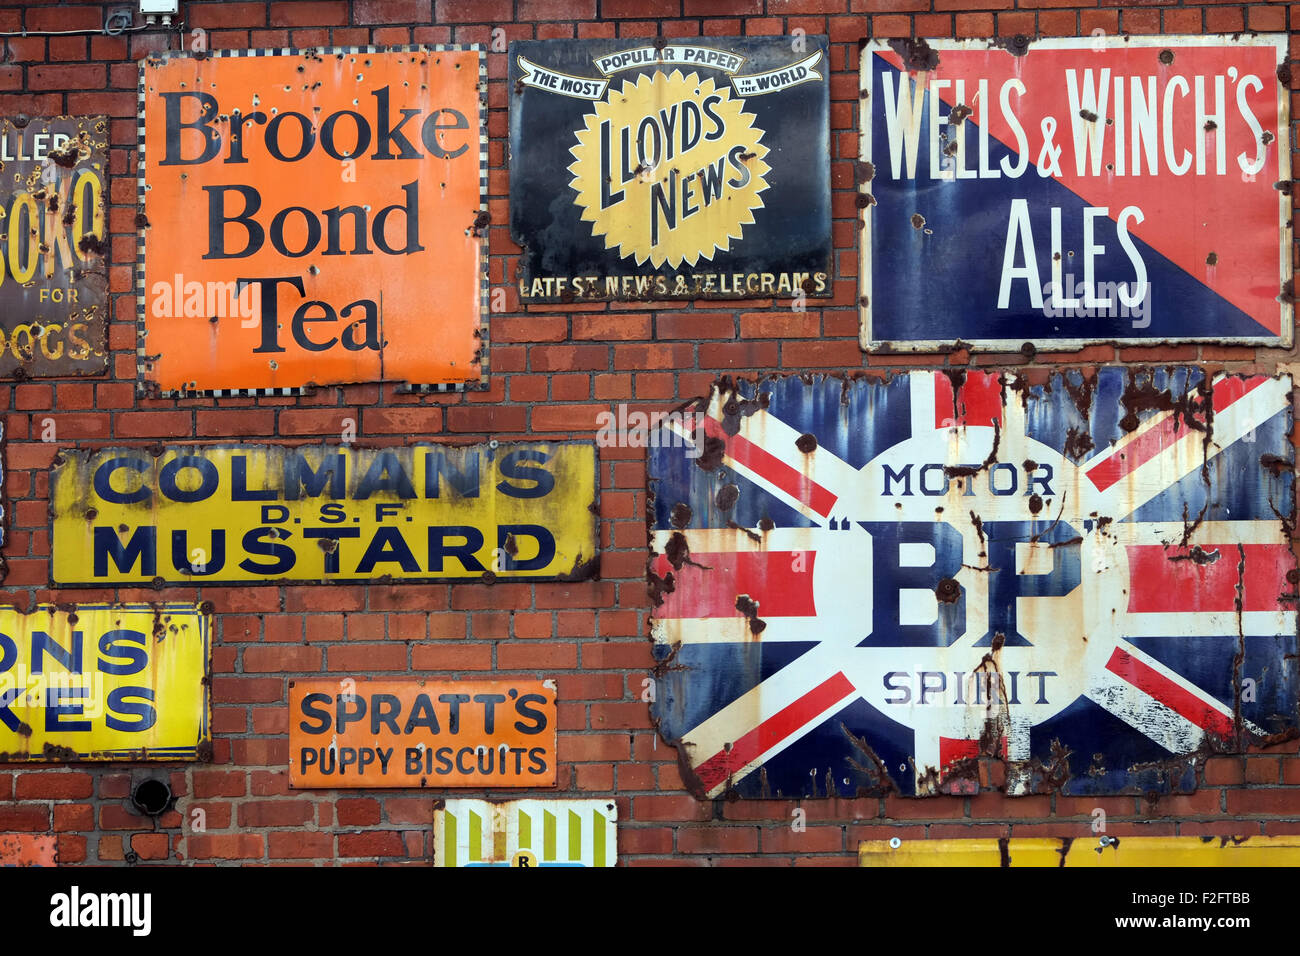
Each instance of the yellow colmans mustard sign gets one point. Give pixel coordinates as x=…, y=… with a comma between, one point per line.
x=239, y=513
x=104, y=682
x=676, y=170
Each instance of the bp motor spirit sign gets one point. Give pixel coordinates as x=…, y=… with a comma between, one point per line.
x=656, y=170
x=1128, y=189
x=311, y=218
x=868, y=585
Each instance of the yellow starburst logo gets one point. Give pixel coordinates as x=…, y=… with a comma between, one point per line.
x=669, y=169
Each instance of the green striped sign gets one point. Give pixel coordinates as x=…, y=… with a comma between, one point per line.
x=525, y=833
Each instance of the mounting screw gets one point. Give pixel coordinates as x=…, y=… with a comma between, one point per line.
x=895, y=843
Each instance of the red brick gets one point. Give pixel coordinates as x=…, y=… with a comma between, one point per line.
x=150, y=846
x=247, y=690
x=219, y=783
x=140, y=424
x=1221, y=771
x=616, y=716
x=281, y=658
x=54, y=786
x=810, y=839
x=1263, y=769
x=224, y=846
x=1264, y=802
x=300, y=845
x=435, y=657
x=1291, y=771
x=24, y=818
x=605, y=327
x=361, y=658
x=568, y=358
x=371, y=843
x=401, y=421
x=746, y=355
x=532, y=328
x=697, y=325
x=416, y=810
x=320, y=13
x=731, y=839
x=933, y=808
x=357, y=813
x=276, y=813
x=470, y=11
x=486, y=419
x=227, y=16
x=72, y=849
x=537, y=656
x=566, y=10
x=633, y=840
x=567, y=418
x=74, y=816
x=670, y=807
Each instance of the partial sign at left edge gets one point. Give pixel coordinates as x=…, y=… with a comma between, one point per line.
x=104, y=682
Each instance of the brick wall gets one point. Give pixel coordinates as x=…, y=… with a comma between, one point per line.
x=552, y=370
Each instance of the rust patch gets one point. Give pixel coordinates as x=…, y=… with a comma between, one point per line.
x=806, y=443
x=1078, y=442
x=726, y=497
x=748, y=607
x=1275, y=464
x=915, y=54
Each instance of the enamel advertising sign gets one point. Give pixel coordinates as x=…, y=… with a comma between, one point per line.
x=53, y=275
x=104, y=682
x=243, y=513
x=1067, y=191
x=312, y=218
x=416, y=733
x=871, y=587
x=526, y=833
x=691, y=169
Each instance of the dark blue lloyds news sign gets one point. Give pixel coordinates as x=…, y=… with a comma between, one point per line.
x=1067, y=191
x=688, y=169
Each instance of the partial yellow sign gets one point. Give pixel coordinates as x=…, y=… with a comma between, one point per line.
x=1093, y=851
x=235, y=513
x=104, y=682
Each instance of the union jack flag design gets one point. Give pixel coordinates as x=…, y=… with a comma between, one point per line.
x=863, y=585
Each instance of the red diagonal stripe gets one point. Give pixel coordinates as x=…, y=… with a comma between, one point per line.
x=1107, y=471
x=790, y=480
x=780, y=581
x=1151, y=682
x=789, y=720
x=1162, y=583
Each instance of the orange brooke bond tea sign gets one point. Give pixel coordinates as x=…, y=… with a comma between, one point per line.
x=312, y=218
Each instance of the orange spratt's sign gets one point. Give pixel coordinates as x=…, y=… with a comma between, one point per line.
x=422, y=733
x=311, y=218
